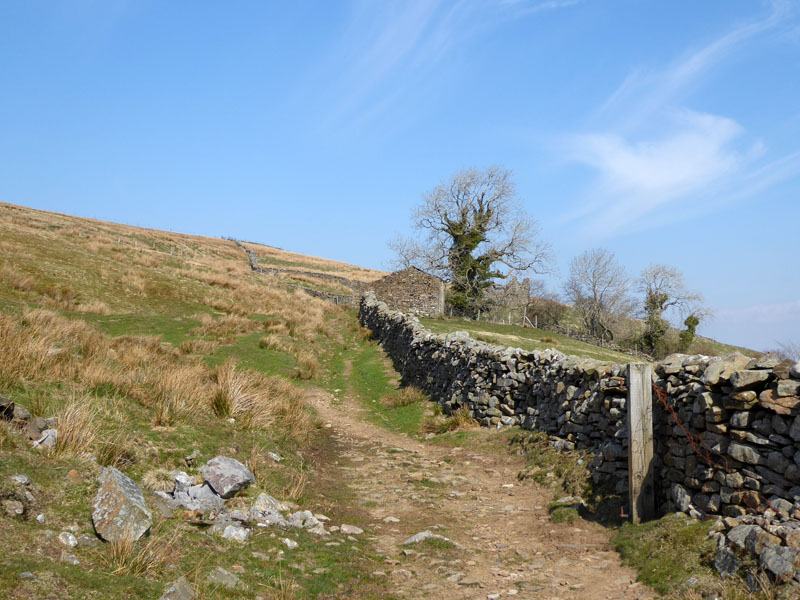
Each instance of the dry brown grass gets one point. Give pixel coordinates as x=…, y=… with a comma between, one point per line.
x=405, y=397
x=42, y=344
x=18, y=281
x=98, y=308
x=116, y=450
x=282, y=587
x=307, y=365
x=296, y=486
x=224, y=327
x=458, y=420
x=276, y=343
x=158, y=480
x=215, y=279
x=148, y=556
x=198, y=346
x=77, y=426
x=261, y=402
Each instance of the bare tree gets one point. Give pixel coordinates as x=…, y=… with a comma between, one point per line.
x=598, y=287
x=664, y=290
x=472, y=231
x=786, y=351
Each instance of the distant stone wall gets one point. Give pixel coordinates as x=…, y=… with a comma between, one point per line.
x=338, y=299
x=411, y=291
x=727, y=430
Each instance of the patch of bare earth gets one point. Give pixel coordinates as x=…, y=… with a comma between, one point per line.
x=507, y=544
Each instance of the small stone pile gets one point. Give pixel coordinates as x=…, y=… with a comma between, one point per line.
x=41, y=432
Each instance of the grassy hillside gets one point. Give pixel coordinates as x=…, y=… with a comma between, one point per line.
x=145, y=346
x=526, y=338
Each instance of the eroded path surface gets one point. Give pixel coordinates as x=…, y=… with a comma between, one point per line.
x=508, y=544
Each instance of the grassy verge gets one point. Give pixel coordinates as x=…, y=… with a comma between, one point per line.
x=523, y=337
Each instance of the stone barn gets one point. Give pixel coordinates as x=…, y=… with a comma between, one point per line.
x=412, y=291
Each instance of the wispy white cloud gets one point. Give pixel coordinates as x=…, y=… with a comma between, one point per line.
x=391, y=50
x=650, y=154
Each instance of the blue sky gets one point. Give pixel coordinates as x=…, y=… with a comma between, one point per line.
x=667, y=132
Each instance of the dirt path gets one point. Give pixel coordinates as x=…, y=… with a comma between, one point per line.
x=509, y=545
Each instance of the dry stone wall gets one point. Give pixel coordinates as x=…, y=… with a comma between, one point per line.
x=727, y=430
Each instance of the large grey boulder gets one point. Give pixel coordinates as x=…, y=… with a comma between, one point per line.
x=227, y=476
x=119, y=508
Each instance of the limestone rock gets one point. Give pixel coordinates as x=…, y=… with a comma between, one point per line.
x=47, y=440
x=179, y=590
x=227, y=476
x=680, y=497
x=119, y=508
x=236, y=533
x=782, y=561
x=220, y=576
x=748, y=378
x=725, y=563
x=351, y=530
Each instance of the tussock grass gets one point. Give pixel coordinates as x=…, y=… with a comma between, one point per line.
x=276, y=343
x=158, y=480
x=16, y=280
x=307, y=365
x=224, y=327
x=459, y=420
x=261, y=402
x=146, y=557
x=77, y=427
x=405, y=397
x=198, y=346
x=116, y=450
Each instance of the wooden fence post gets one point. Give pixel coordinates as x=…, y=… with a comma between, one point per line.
x=640, y=442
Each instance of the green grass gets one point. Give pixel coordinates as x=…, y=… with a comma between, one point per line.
x=246, y=352
x=524, y=337
x=371, y=383
x=666, y=552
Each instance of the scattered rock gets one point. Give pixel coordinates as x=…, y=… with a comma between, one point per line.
x=27, y=575
x=48, y=439
x=290, y=544
x=227, y=476
x=236, y=533
x=351, y=530
x=119, y=508
x=13, y=508
x=40, y=518
x=427, y=535
x=190, y=460
x=87, y=541
x=70, y=559
x=21, y=479
x=275, y=456
x=220, y=576
x=179, y=590
x=67, y=539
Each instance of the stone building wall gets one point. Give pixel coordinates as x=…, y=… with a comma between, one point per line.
x=727, y=430
x=412, y=291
